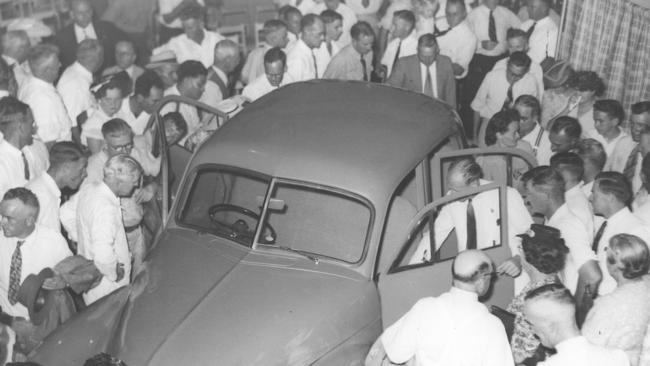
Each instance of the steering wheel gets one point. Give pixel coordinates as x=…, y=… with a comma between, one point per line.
x=240, y=229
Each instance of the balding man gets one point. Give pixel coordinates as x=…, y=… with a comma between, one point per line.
x=38, y=91
x=100, y=230
x=74, y=84
x=301, y=60
x=219, y=84
x=15, y=46
x=275, y=35
x=451, y=329
x=550, y=310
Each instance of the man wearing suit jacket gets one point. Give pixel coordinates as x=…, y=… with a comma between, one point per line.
x=427, y=72
x=85, y=27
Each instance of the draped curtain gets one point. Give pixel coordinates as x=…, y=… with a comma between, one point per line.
x=612, y=38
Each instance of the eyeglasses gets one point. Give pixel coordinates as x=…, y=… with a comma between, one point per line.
x=122, y=148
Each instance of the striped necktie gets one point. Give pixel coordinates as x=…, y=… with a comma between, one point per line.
x=14, y=273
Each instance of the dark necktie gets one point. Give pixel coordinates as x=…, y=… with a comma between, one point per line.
x=492, y=28
x=630, y=164
x=25, y=165
x=428, y=83
x=14, y=273
x=471, y=226
x=329, y=47
x=399, y=48
x=364, y=68
x=509, y=98
x=438, y=33
x=599, y=235
x=313, y=57
x=530, y=30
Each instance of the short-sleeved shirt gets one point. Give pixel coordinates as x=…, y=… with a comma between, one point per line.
x=50, y=114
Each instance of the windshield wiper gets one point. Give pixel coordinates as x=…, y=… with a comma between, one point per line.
x=301, y=252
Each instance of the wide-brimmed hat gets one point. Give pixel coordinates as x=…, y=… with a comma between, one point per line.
x=36, y=299
x=557, y=74
x=33, y=27
x=161, y=59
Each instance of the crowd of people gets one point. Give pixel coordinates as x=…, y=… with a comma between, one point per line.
x=79, y=161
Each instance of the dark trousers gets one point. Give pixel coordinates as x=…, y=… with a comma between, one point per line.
x=468, y=86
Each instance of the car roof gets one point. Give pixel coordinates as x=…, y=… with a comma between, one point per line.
x=356, y=136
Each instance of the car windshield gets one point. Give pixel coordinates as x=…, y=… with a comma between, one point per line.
x=225, y=202
x=317, y=221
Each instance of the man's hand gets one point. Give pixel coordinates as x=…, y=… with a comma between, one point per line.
x=145, y=194
x=511, y=267
x=489, y=45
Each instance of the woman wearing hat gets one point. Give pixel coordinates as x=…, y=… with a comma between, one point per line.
x=543, y=260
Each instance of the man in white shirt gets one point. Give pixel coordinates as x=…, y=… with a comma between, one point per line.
x=67, y=170
x=74, y=84
x=17, y=128
x=100, y=229
x=571, y=167
x=292, y=17
x=329, y=48
x=491, y=38
x=454, y=328
x=626, y=158
x=137, y=108
x=608, y=116
x=551, y=312
x=275, y=75
x=404, y=42
x=354, y=61
x=458, y=42
x=518, y=41
x=15, y=46
x=531, y=130
x=610, y=196
x=196, y=42
x=219, y=84
x=545, y=196
x=348, y=19
x=26, y=248
x=275, y=35
x=541, y=30
x=301, y=60
x=502, y=87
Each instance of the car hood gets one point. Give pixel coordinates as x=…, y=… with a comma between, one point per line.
x=206, y=302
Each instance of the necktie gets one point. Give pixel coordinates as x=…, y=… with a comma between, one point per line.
x=14, y=273
x=599, y=235
x=471, y=226
x=509, y=99
x=492, y=28
x=329, y=47
x=438, y=33
x=530, y=30
x=399, y=47
x=428, y=84
x=364, y=68
x=313, y=57
x=630, y=164
x=25, y=166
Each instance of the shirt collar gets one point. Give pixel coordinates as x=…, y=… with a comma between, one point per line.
x=467, y=295
x=10, y=60
x=575, y=189
x=534, y=131
x=566, y=345
x=89, y=27
x=621, y=216
x=4, y=93
x=42, y=83
x=81, y=69
x=558, y=214
x=10, y=148
x=109, y=192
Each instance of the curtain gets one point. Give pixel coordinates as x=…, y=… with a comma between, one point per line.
x=612, y=38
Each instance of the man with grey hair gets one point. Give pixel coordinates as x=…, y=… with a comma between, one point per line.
x=39, y=93
x=99, y=227
x=15, y=45
x=219, y=85
x=440, y=330
x=74, y=84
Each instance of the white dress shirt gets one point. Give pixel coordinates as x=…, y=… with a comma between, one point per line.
x=618, y=161
x=84, y=33
x=452, y=329
x=12, y=168
x=494, y=90
x=535, y=70
x=186, y=49
x=138, y=124
x=579, y=204
x=577, y=239
x=21, y=73
x=623, y=140
x=586, y=189
x=50, y=114
x=459, y=45
x=49, y=200
x=166, y=7
x=579, y=352
x=74, y=88
x=543, y=41
x=261, y=86
x=189, y=113
x=622, y=222
x=434, y=78
x=540, y=143
x=300, y=62
x=43, y=248
x=479, y=20
x=101, y=236
x=38, y=158
x=407, y=47
x=323, y=56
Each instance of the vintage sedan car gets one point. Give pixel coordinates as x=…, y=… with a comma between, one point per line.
x=291, y=235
